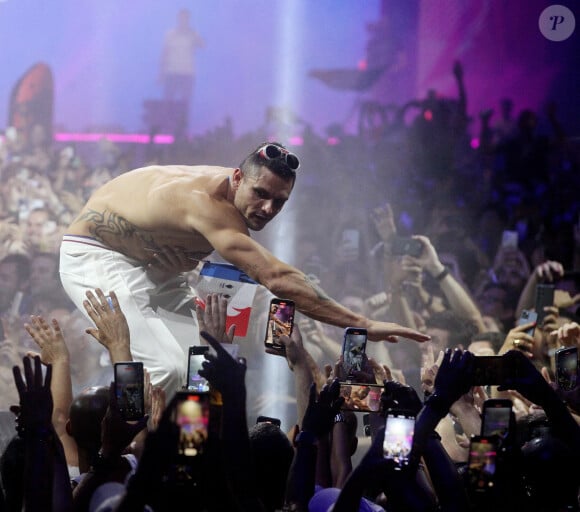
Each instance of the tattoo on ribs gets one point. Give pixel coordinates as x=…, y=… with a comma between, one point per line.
x=106, y=226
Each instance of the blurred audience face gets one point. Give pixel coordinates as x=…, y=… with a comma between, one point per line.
x=10, y=284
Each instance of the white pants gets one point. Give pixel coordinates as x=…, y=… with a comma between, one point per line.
x=85, y=264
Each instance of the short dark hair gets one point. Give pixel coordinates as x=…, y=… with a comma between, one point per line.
x=460, y=330
x=273, y=455
x=254, y=161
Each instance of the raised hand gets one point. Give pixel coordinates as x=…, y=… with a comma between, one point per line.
x=111, y=328
x=35, y=397
x=49, y=339
x=212, y=316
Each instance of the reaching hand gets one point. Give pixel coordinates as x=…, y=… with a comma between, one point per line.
x=167, y=262
x=49, y=339
x=320, y=413
x=222, y=371
x=112, y=329
x=212, y=317
x=35, y=397
x=454, y=376
x=116, y=433
x=388, y=331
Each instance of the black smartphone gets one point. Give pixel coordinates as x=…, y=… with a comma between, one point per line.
x=130, y=389
x=280, y=322
x=492, y=370
x=526, y=317
x=354, y=346
x=361, y=397
x=566, y=363
x=497, y=418
x=544, y=297
x=195, y=382
x=402, y=245
x=482, y=463
x=398, y=440
x=269, y=419
x=191, y=415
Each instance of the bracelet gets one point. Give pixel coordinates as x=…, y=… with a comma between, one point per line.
x=339, y=418
x=442, y=275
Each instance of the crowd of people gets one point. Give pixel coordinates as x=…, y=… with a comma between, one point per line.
x=489, y=222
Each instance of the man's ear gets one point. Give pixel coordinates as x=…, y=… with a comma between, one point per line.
x=237, y=178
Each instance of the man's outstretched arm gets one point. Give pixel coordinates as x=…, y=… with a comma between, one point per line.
x=288, y=282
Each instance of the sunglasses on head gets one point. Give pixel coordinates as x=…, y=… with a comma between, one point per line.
x=271, y=152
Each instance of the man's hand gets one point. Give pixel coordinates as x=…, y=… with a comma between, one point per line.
x=222, y=371
x=168, y=262
x=49, y=339
x=212, y=316
x=388, y=331
x=112, y=330
x=35, y=397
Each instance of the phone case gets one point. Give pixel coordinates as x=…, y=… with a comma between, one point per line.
x=280, y=322
x=544, y=297
x=497, y=417
x=129, y=389
x=526, y=317
x=353, y=349
x=196, y=382
x=566, y=362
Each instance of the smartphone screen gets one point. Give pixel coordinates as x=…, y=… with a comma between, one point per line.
x=491, y=370
x=280, y=322
x=195, y=382
x=353, y=349
x=567, y=367
x=496, y=418
x=191, y=415
x=481, y=463
x=544, y=297
x=398, y=440
x=361, y=397
x=129, y=390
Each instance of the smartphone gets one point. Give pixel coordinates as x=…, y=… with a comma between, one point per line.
x=544, y=297
x=482, y=463
x=497, y=418
x=566, y=362
x=195, y=382
x=526, y=317
x=398, y=440
x=191, y=415
x=130, y=389
x=509, y=239
x=402, y=245
x=361, y=397
x=269, y=419
x=353, y=349
x=491, y=370
x=280, y=322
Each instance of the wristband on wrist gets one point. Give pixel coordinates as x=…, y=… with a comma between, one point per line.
x=439, y=277
x=339, y=418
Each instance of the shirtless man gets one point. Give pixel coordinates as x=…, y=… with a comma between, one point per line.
x=181, y=214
